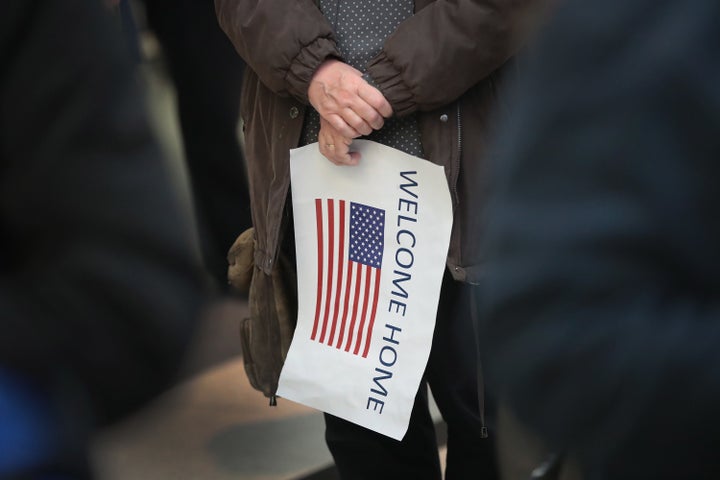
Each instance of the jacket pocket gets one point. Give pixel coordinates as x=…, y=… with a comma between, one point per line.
x=245, y=345
x=266, y=334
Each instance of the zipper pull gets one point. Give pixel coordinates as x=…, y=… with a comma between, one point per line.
x=273, y=401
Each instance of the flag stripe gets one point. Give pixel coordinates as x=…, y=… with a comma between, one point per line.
x=320, y=254
x=366, y=302
x=372, y=314
x=331, y=265
x=346, y=305
x=358, y=279
x=340, y=264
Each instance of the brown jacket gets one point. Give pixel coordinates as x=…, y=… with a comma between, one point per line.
x=442, y=64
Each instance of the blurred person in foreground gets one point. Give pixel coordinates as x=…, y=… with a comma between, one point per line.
x=601, y=287
x=207, y=76
x=99, y=284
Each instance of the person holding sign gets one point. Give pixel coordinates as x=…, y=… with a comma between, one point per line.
x=421, y=76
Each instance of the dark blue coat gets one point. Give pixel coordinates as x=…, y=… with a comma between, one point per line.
x=602, y=282
x=99, y=285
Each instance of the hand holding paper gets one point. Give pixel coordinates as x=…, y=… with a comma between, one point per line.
x=371, y=249
x=334, y=146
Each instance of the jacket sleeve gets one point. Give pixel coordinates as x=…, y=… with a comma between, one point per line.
x=99, y=282
x=283, y=42
x=446, y=48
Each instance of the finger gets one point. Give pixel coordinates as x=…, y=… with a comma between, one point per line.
x=345, y=155
x=331, y=152
x=353, y=158
x=341, y=126
x=370, y=115
x=328, y=147
x=344, y=100
x=352, y=118
x=339, y=152
x=348, y=159
x=355, y=111
x=330, y=135
x=375, y=99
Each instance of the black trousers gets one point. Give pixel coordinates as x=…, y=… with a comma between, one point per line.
x=453, y=375
x=207, y=74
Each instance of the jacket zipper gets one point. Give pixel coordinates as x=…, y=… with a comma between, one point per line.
x=481, y=386
x=456, y=166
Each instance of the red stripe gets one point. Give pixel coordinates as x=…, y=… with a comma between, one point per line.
x=360, y=332
x=331, y=264
x=372, y=313
x=346, y=302
x=340, y=263
x=319, y=222
x=355, y=308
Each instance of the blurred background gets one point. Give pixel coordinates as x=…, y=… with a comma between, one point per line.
x=212, y=424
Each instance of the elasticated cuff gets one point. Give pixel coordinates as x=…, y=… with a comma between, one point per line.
x=303, y=67
x=389, y=81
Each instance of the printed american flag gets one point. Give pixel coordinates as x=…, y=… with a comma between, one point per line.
x=349, y=250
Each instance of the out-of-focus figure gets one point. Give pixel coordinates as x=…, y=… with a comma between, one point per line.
x=601, y=288
x=207, y=76
x=99, y=284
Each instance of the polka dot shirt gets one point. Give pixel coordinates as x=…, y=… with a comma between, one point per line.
x=361, y=27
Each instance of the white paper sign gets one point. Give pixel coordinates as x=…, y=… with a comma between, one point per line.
x=371, y=245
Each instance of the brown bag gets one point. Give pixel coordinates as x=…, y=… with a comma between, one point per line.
x=266, y=334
